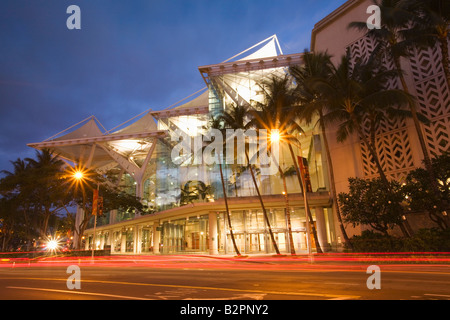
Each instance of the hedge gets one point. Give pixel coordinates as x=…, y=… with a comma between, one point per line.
x=424, y=240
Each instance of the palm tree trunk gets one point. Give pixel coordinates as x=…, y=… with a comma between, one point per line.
x=288, y=213
x=262, y=204
x=225, y=197
x=45, y=222
x=372, y=151
x=332, y=181
x=307, y=210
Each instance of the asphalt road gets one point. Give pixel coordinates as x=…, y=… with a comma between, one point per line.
x=205, y=278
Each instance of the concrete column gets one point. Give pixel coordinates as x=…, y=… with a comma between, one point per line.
x=102, y=241
x=78, y=219
x=137, y=239
x=112, y=216
x=156, y=237
x=123, y=246
x=213, y=243
x=321, y=229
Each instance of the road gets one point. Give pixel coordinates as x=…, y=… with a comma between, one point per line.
x=196, y=278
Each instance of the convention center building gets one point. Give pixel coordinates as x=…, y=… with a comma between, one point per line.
x=187, y=212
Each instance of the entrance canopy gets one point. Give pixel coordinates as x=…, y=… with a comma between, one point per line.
x=239, y=79
x=130, y=145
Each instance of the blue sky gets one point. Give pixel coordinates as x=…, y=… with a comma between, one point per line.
x=129, y=56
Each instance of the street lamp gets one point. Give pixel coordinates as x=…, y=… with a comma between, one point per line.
x=275, y=136
x=79, y=176
x=305, y=200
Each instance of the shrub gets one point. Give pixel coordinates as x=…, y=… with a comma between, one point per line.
x=424, y=240
x=370, y=241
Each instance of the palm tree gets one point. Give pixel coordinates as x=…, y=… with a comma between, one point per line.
x=237, y=118
x=396, y=18
x=317, y=66
x=217, y=123
x=356, y=95
x=431, y=22
x=278, y=112
x=17, y=207
x=47, y=169
x=351, y=93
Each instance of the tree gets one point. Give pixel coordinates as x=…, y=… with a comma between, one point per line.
x=421, y=197
x=390, y=39
x=37, y=186
x=217, y=123
x=237, y=118
x=48, y=194
x=430, y=25
x=114, y=197
x=311, y=105
x=278, y=112
x=9, y=221
x=17, y=207
x=368, y=202
x=353, y=94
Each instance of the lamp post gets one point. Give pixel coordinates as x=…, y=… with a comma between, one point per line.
x=302, y=184
x=79, y=176
x=305, y=200
x=275, y=137
x=95, y=209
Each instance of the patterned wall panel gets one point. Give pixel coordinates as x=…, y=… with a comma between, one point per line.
x=392, y=139
x=433, y=97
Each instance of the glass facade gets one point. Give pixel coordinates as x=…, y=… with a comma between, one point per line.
x=192, y=233
x=146, y=240
x=185, y=180
x=252, y=233
x=171, y=186
x=185, y=235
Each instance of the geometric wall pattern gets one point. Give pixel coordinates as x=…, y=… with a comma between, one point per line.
x=392, y=139
x=433, y=98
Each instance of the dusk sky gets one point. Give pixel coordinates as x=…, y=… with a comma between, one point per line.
x=129, y=56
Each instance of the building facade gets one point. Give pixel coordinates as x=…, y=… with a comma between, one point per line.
x=186, y=201
x=185, y=196
x=397, y=141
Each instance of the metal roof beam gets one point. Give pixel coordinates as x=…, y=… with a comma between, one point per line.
x=251, y=65
x=110, y=137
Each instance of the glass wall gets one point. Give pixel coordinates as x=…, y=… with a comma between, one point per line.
x=146, y=240
x=185, y=235
x=166, y=181
x=129, y=242
x=116, y=241
x=252, y=233
x=169, y=185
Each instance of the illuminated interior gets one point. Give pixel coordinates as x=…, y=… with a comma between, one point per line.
x=139, y=154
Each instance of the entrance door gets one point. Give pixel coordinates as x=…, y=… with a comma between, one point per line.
x=240, y=242
x=300, y=241
x=256, y=242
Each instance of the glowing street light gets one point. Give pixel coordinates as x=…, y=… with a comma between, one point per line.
x=78, y=175
x=79, y=178
x=275, y=136
x=52, y=245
